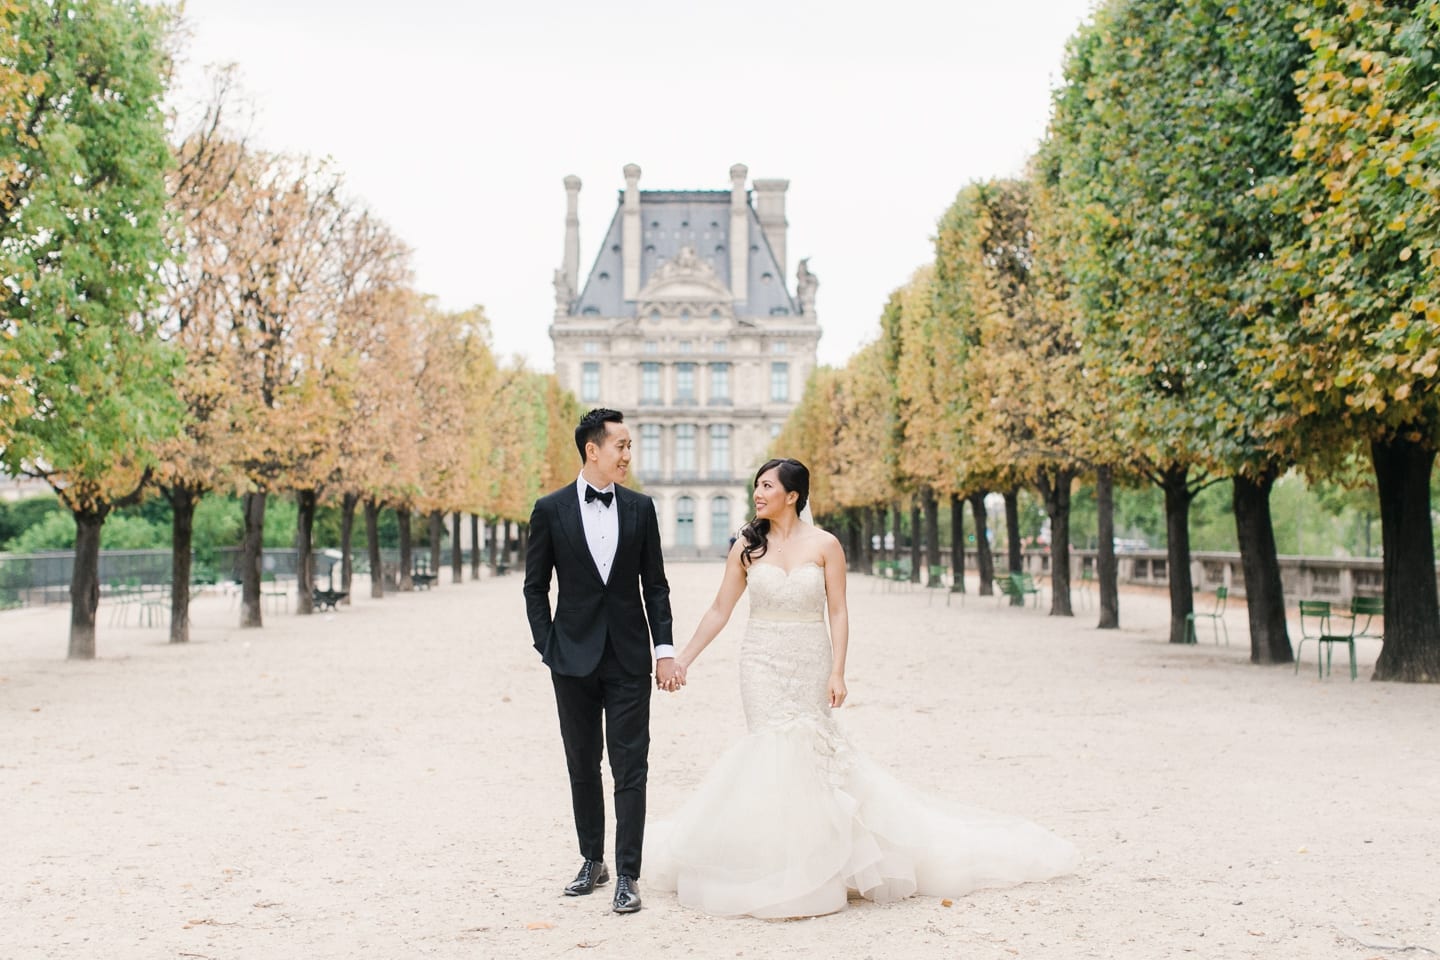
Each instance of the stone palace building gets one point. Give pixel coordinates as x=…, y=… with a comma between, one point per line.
x=685, y=324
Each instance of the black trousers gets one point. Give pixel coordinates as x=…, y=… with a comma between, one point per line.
x=623, y=700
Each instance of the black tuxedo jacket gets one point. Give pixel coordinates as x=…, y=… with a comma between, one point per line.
x=572, y=639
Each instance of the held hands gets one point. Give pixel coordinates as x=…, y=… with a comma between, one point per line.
x=837, y=690
x=669, y=674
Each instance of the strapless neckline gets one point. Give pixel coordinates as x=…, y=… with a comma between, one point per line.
x=798, y=567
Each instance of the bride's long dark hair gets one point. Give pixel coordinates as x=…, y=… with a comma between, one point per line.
x=794, y=478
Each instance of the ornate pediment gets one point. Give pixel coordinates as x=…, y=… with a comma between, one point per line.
x=685, y=281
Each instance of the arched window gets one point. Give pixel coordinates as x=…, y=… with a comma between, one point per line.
x=685, y=522
x=720, y=531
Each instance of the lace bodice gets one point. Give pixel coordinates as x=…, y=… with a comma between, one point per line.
x=798, y=595
x=785, y=657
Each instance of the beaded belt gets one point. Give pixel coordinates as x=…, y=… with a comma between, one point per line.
x=781, y=616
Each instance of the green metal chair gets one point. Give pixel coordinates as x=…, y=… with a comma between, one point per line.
x=1017, y=586
x=1315, y=624
x=1215, y=616
x=1369, y=608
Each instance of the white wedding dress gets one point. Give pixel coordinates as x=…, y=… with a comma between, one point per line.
x=791, y=818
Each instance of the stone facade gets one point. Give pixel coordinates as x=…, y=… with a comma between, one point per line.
x=695, y=337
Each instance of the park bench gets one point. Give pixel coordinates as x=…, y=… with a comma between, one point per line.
x=327, y=599
x=1017, y=586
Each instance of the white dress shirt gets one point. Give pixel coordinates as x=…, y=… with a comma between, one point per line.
x=602, y=535
x=602, y=526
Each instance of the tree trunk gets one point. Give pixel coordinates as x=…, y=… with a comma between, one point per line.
x=475, y=545
x=882, y=524
x=1174, y=481
x=406, y=583
x=437, y=533
x=1055, y=489
x=457, y=558
x=522, y=538
x=898, y=524
x=857, y=536
x=1411, y=650
x=182, y=537
x=495, y=547
x=915, y=559
x=1107, y=569
x=932, y=529
x=1013, y=547
x=1264, y=592
x=1014, y=556
x=372, y=548
x=251, y=554
x=347, y=542
x=984, y=559
x=957, y=544
x=305, y=501
x=85, y=582
x=867, y=542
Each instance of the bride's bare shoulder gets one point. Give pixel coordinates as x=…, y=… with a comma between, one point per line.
x=826, y=545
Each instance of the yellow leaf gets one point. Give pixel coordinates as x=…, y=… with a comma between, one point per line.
x=1405, y=254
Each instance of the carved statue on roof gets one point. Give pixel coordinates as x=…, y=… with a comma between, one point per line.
x=805, y=286
x=686, y=259
x=564, y=293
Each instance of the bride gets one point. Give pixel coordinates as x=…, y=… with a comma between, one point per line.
x=791, y=819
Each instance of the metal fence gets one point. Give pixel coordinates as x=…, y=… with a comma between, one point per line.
x=37, y=578
x=40, y=578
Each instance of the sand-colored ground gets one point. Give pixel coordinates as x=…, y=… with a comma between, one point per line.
x=388, y=782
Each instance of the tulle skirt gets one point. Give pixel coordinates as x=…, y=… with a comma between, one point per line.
x=790, y=820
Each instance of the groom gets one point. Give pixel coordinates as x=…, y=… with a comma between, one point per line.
x=603, y=543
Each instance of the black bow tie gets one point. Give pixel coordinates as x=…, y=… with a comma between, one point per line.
x=592, y=494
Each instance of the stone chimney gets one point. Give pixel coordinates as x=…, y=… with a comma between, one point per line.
x=630, y=232
x=739, y=234
x=770, y=207
x=571, y=265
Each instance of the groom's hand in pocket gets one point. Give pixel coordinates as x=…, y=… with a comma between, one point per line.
x=668, y=675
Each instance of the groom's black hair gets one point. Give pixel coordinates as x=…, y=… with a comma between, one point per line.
x=592, y=428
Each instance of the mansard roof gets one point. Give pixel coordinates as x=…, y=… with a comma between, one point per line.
x=671, y=220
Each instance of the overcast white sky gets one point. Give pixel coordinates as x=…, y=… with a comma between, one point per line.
x=456, y=120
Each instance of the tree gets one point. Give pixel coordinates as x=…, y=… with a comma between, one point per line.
x=194, y=312
x=365, y=263
x=280, y=273
x=810, y=435
x=1156, y=272
x=85, y=392
x=1359, y=363
x=863, y=477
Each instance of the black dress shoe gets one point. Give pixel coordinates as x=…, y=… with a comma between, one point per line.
x=627, y=895
x=592, y=874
